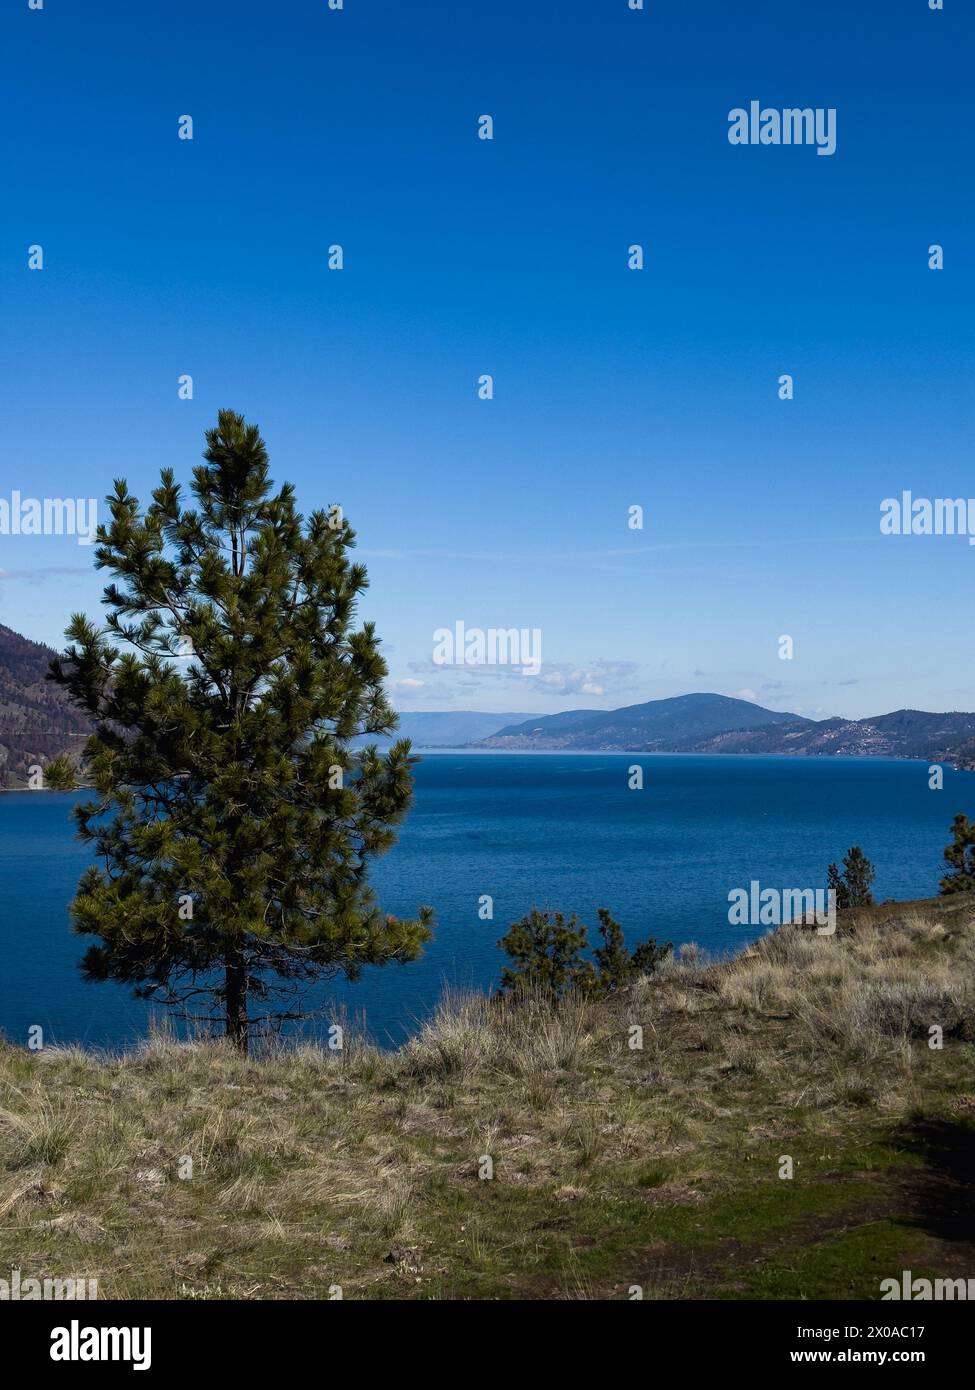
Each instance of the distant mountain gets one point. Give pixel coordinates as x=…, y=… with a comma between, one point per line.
x=659, y=725
x=37, y=723
x=717, y=724
x=447, y=728
x=906, y=733
x=36, y=720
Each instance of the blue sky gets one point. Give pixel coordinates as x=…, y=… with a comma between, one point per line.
x=509, y=257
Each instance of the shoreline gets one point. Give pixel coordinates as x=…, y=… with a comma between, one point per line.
x=160, y=1026
x=439, y=751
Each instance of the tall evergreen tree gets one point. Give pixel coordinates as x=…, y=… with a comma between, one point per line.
x=234, y=822
x=859, y=874
x=852, y=886
x=960, y=854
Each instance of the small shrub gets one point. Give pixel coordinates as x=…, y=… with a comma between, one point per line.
x=852, y=886
x=546, y=949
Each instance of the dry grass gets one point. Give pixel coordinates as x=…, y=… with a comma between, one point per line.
x=518, y=1149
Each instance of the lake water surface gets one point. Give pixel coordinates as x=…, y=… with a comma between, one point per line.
x=560, y=830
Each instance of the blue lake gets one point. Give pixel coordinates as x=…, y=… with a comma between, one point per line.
x=553, y=829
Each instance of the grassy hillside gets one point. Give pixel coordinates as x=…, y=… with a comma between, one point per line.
x=613, y=1167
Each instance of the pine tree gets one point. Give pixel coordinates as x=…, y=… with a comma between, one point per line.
x=234, y=823
x=613, y=960
x=616, y=964
x=852, y=886
x=647, y=955
x=836, y=885
x=859, y=874
x=960, y=854
x=546, y=953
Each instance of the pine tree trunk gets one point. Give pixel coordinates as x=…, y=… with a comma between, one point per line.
x=235, y=1001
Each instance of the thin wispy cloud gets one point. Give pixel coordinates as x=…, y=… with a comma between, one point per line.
x=44, y=572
